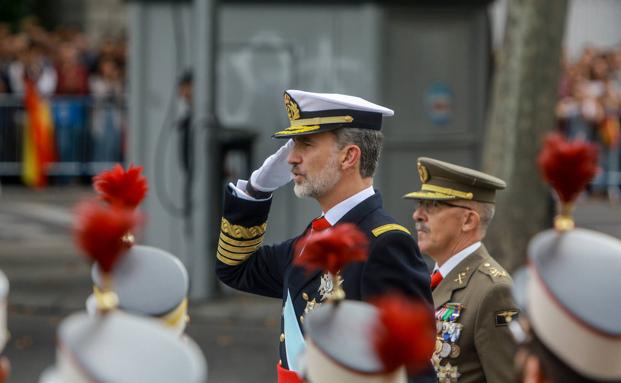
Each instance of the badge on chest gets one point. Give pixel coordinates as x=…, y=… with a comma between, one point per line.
x=326, y=289
x=448, y=331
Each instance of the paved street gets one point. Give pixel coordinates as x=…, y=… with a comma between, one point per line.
x=237, y=333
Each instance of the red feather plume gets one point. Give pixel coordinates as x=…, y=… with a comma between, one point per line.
x=99, y=231
x=567, y=166
x=120, y=187
x=331, y=249
x=405, y=334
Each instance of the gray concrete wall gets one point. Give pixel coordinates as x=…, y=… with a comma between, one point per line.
x=435, y=77
x=156, y=60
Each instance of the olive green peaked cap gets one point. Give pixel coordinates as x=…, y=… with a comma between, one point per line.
x=445, y=181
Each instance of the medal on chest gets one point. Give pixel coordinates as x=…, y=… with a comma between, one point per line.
x=448, y=331
x=327, y=287
x=326, y=290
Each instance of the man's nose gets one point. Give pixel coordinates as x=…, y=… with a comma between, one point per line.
x=294, y=158
x=419, y=214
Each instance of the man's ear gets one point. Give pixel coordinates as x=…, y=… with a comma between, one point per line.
x=350, y=157
x=471, y=221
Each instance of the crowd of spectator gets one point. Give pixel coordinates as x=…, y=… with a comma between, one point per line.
x=83, y=81
x=62, y=62
x=589, y=108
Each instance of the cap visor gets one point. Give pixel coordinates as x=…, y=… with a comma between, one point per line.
x=429, y=195
x=294, y=131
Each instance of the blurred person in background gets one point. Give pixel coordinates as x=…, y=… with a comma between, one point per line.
x=112, y=48
x=601, y=108
x=72, y=73
x=608, y=134
x=184, y=128
x=589, y=108
x=32, y=63
x=593, y=90
x=568, y=105
x=5, y=56
x=107, y=91
x=616, y=67
x=10, y=109
x=69, y=105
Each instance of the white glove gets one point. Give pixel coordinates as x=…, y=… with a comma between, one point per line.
x=275, y=171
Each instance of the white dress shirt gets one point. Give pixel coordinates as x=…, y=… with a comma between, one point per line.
x=333, y=215
x=456, y=259
x=340, y=209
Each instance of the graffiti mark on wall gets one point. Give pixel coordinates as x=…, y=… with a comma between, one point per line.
x=252, y=75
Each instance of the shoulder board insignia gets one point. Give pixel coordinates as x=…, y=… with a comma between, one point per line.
x=504, y=317
x=493, y=270
x=390, y=227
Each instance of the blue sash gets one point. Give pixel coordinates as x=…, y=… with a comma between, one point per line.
x=294, y=340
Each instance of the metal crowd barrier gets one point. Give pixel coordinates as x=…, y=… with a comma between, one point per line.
x=89, y=134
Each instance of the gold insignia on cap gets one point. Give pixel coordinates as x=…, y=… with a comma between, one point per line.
x=292, y=107
x=422, y=172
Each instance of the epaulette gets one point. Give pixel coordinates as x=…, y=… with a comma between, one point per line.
x=389, y=227
x=494, y=271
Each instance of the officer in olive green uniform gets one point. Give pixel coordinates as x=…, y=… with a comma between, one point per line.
x=471, y=291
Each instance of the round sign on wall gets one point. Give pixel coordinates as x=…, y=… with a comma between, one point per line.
x=439, y=103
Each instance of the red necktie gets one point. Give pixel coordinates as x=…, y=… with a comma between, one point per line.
x=436, y=278
x=320, y=224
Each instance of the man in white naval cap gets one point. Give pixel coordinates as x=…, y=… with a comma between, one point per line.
x=332, y=150
x=151, y=282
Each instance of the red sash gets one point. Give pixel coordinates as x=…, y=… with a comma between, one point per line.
x=287, y=376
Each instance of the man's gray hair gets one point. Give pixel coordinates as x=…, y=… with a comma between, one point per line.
x=486, y=213
x=370, y=144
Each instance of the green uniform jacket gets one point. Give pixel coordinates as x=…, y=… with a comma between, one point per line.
x=473, y=306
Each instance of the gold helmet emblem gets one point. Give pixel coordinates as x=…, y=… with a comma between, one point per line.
x=292, y=107
x=422, y=172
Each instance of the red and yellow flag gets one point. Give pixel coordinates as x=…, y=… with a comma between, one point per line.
x=38, y=151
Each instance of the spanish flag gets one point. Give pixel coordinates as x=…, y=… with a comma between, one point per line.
x=38, y=151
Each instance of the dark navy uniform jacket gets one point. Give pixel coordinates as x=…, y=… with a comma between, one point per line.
x=394, y=263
